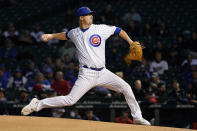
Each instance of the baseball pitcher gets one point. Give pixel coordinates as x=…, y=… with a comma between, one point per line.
x=89, y=40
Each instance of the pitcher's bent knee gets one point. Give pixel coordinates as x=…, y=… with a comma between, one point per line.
x=69, y=100
x=126, y=88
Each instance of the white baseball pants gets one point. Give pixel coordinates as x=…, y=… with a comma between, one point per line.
x=88, y=79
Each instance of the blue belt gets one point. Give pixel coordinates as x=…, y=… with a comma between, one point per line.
x=92, y=68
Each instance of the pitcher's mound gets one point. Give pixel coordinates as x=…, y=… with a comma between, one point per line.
x=28, y=123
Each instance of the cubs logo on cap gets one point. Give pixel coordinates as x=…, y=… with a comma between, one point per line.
x=95, y=40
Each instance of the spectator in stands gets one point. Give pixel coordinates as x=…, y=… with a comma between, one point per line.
x=89, y=115
x=156, y=79
x=150, y=96
x=138, y=91
x=11, y=31
x=152, y=89
x=37, y=33
x=180, y=42
x=3, y=100
x=24, y=97
x=67, y=49
x=67, y=60
x=143, y=67
x=146, y=30
x=132, y=15
x=41, y=84
x=194, y=76
x=51, y=93
x=72, y=67
x=9, y=52
x=48, y=64
x=60, y=85
x=3, y=79
x=13, y=37
x=177, y=94
x=186, y=64
x=132, y=29
x=191, y=45
x=158, y=65
x=160, y=48
x=17, y=81
x=59, y=66
x=49, y=75
x=6, y=72
x=124, y=118
x=2, y=96
x=159, y=28
x=26, y=38
x=120, y=74
x=192, y=88
x=75, y=114
x=189, y=65
x=161, y=93
x=192, y=93
x=42, y=94
x=30, y=73
x=31, y=70
x=163, y=30
x=146, y=78
x=174, y=58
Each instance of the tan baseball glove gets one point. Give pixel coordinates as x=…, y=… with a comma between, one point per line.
x=135, y=52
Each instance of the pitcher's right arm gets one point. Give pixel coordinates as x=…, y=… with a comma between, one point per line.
x=59, y=36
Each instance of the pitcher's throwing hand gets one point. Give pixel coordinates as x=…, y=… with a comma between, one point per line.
x=46, y=37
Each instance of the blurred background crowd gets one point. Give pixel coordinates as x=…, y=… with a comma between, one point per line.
x=30, y=68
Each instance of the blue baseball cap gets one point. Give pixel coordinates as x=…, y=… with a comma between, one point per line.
x=84, y=11
x=48, y=70
x=18, y=70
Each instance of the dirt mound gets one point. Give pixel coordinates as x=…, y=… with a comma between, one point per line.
x=28, y=123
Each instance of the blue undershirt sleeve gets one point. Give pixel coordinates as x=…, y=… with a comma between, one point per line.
x=117, y=31
x=67, y=35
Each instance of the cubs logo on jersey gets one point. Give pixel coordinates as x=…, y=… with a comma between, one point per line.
x=95, y=40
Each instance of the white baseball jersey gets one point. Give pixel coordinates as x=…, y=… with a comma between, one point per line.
x=90, y=43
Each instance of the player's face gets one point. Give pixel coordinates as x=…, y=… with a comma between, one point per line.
x=87, y=19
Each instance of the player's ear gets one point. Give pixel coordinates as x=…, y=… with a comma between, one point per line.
x=80, y=17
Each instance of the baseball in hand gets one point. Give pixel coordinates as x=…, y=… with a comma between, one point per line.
x=46, y=37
